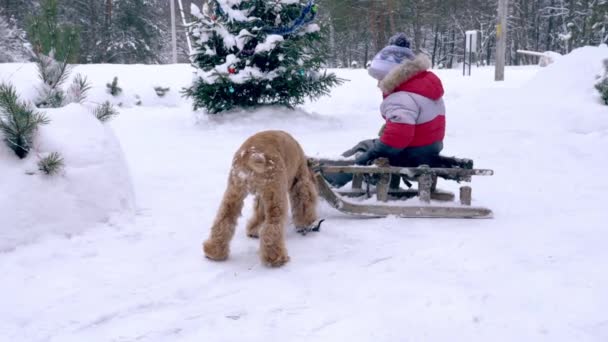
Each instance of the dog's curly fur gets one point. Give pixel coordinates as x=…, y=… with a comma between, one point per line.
x=272, y=166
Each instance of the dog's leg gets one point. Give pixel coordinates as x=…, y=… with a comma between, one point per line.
x=303, y=195
x=272, y=234
x=217, y=246
x=253, y=226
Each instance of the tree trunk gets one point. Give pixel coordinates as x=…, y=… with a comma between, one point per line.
x=108, y=14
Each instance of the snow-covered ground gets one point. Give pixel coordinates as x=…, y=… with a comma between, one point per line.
x=535, y=272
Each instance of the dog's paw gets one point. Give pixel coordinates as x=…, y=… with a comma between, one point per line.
x=315, y=227
x=274, y=256
x=215, y=251
x=276, y=261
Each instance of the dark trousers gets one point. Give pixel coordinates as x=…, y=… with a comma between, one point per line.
x=408, y=157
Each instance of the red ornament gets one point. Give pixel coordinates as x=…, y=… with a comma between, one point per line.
x=232, y=70
x=213, y=17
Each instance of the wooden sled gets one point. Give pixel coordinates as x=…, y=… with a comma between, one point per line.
x=391, y=199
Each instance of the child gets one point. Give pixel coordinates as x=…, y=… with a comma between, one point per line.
x=413, y=108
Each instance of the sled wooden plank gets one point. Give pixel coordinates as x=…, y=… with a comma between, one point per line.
x=425, y=183
x=384, y=180
x=437, y=195
x=408, y=171
x=465, y=195
x=401, y=211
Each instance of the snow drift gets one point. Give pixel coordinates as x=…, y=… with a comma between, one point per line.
x=94, y=184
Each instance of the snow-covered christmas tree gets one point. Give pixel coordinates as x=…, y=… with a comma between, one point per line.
x=254, y=52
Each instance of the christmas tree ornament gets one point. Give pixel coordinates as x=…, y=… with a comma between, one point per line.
x=232, y=70
x=231, y=89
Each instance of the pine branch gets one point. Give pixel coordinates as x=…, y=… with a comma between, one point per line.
x=113, y=87
x=105, y=112
x=77, y=92
x=18, y=121
x=51, y=164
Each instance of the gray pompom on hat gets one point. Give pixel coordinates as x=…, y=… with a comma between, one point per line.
x=399, y=39
x=390, y=56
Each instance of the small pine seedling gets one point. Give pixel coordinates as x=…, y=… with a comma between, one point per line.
x=51, y=164
x=105, y=112
x=18, y=121
x=53, y=74
x=79, y=88
x=113, y=87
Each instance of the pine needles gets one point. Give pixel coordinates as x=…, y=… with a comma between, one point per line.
x=53, y=74
x=18, y=121
x=77, y=92
x=51, y=164
x=105, y=111
x=113, y=87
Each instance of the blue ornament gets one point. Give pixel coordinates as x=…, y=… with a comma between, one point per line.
x=231, y=90
x=302, y=72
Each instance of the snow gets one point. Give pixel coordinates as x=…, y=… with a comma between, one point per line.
x=269, y=43
x=535, y=272
x=310, y=28
x=94, y=187
x=233, y=14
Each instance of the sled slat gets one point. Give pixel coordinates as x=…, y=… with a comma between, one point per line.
x=465, y=195
x=408, y=171
x=425, y=182
x=437, y=195
x=383, y=182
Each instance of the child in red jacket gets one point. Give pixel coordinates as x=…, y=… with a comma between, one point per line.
x=413, y=108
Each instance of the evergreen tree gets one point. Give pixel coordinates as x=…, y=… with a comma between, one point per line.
x=135, y=33
x=253, y=52
x=14, y=46
x=50, y=37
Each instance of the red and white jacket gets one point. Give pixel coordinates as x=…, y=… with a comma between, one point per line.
x=413, y=105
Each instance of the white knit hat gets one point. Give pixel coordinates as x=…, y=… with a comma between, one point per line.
x=390, y=56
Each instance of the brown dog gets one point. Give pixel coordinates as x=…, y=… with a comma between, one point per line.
x=272, y=166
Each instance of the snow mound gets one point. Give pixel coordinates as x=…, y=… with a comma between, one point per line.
x=94, y=185
x=563, y=99
x=571, y=75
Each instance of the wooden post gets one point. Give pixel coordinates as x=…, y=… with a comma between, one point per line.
x=465, y=195
x=357, y=181
x=425, y=183
x=501, y=40
x=383, y=182
x=173, y=33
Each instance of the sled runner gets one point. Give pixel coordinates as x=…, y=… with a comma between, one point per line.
x=383, y=181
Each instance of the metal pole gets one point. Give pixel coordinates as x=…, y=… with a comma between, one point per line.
x=501, y=40
x=173, y=33
x=464, y=57
x=470, y=54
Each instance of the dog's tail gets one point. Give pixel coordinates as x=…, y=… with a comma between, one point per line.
x=257, y=162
